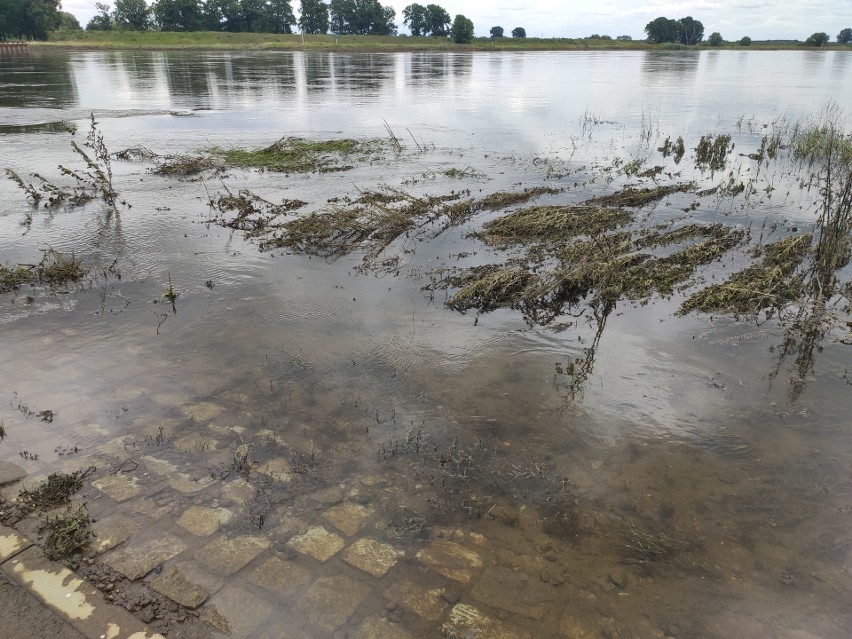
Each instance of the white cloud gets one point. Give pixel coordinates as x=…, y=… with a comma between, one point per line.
x=782, y=19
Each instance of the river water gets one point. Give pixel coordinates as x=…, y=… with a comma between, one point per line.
x=410, y=470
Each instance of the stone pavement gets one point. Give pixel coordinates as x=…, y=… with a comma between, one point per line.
x=40, y=598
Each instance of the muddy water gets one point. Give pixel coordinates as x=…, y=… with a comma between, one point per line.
x=460, y=486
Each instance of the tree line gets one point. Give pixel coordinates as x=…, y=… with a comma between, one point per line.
x=343, y=17
x=690, y=31
x=33, y=19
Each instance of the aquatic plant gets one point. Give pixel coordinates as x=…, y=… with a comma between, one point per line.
x=92, y=181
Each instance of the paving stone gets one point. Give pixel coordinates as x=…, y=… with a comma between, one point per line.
x=10, y=473
x=318, y=543
x=237, y=612
x=377, y=628
x=277, y=469
x=451, y=560
x=202, y=411
x=517, y=592
x=372, y=556
x=141, y=554
x=73, y=599
x=347, y=518
x=204, y=521
x=177, y=587
x=11, y=543
x=282, y=630
x=187, y=484
x=238, y=490
x=465, y=620
x=330, y=601
x=227, y=555
x=118, y=487
x=197, y=575
x=112, y=531
x=180, y=481
x=328, y=496
x=418, y=599
x=281, y=577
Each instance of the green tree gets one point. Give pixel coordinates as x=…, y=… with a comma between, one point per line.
x=662, y=30
x=414, y=17
x=745, y=41
x=690, y=31
x=496, y=32
x=223, y=15
x=361, y=17
x=102, y=20
x=179, y=15
x=131, y=15
x=817, y=40
x=268, y=16
x=715, y=39
x=28, y=18
x=845, y=36
x=462, y=30
x=68, y=22
x=438, y=20
x=313, y=16
x=624, y=38
x=519, y=32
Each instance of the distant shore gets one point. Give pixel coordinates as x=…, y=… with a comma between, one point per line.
x=296, y=42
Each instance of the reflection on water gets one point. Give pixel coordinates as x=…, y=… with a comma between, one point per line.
x=333, y=451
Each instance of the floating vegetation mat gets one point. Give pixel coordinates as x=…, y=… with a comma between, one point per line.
x=552, y=223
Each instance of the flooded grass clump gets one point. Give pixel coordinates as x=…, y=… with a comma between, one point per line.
x=377, y=218
x=185, y=165
x=635, y=196
x=55, y=269
x=551, y=223
x=712, y=152
x=67, y=533
x=298, y=155
x=490, y=287
x=247, y=211
x=760, y=287
x=676, y=149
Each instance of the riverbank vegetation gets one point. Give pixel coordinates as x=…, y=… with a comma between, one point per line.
x=266, y=41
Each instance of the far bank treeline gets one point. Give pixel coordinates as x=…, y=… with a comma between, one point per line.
x=34, y=19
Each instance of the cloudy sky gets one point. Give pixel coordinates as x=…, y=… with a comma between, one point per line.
x=758, y=19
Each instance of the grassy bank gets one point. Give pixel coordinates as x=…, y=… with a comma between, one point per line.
x=269, y=41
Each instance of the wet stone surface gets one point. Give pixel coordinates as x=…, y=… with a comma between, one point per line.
x=177, y=587
x=317, y=542
x=144, y=552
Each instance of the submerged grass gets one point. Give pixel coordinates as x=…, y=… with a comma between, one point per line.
x=636, y=196
x=551, y=223
x=377, y=218
x=761, y=287
x=298, y=155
